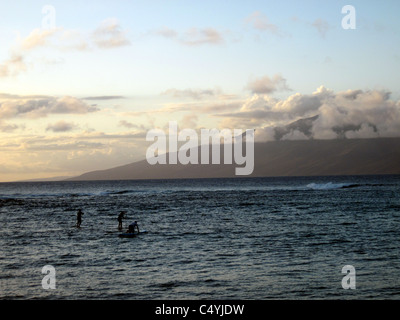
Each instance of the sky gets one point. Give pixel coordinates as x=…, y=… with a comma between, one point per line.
x=82, y=82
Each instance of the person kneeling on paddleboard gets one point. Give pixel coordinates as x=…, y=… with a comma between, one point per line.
x=132, y=226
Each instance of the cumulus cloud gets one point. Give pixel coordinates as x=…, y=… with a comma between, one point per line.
x=5, y=127
x=297, y=130
x=267, y=85
x=110, y=35
x=324, y=114
x=260, y=22
x=37, y=38
x=61, y=126
x=41, y=107
x=12, y=66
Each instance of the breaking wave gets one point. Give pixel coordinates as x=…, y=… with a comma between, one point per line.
x=330, y=186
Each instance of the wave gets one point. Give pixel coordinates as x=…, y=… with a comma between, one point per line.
x=43, y=195
x=122, y=192
x=330, y=186
x=13, y=196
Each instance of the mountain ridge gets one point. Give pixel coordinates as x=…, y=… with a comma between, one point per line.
x=278, y=158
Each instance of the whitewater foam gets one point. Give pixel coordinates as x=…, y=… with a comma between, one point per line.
x=330, y=186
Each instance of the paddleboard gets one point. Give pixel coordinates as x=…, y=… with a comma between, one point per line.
x=131, y=235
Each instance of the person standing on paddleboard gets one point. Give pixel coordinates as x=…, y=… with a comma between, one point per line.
x=79, y=218
x=120, y=217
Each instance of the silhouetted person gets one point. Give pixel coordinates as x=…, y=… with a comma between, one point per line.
x=79, y=218
x=132, y=226
x=120, y=217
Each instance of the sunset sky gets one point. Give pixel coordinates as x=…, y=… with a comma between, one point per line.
x=82, y=82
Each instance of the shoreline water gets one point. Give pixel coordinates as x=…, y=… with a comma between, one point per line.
x=262, y=238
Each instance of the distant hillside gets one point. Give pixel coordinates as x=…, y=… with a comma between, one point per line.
x=60, y=178
x=280, y=158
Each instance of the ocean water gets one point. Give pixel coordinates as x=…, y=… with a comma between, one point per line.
x=244, y=238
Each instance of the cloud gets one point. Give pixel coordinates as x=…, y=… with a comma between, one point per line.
x=299, y=105
x=197, y=94
x=78, y=145
x=129, y=125
x=5, y=127
x=37, y=38
x=192, y=36
x=300, y=130
x=189, y=121
x=39, y=156
x=69, y=104
x=195, y=37
x=12, y=66
x=219, y=107
x=4, y=96
x=104, y=98
x=61, y=126
x=321, y=26
x=15, y=64
x=72, y=40
x=110, y=35
x=41, y=107
x=166, y=32
x=324, y=114
x=266, y=85
x=261, y=23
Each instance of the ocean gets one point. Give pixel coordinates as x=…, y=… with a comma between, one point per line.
x=240, y=238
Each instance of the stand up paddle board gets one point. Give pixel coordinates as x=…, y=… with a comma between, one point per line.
x=131, y=235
